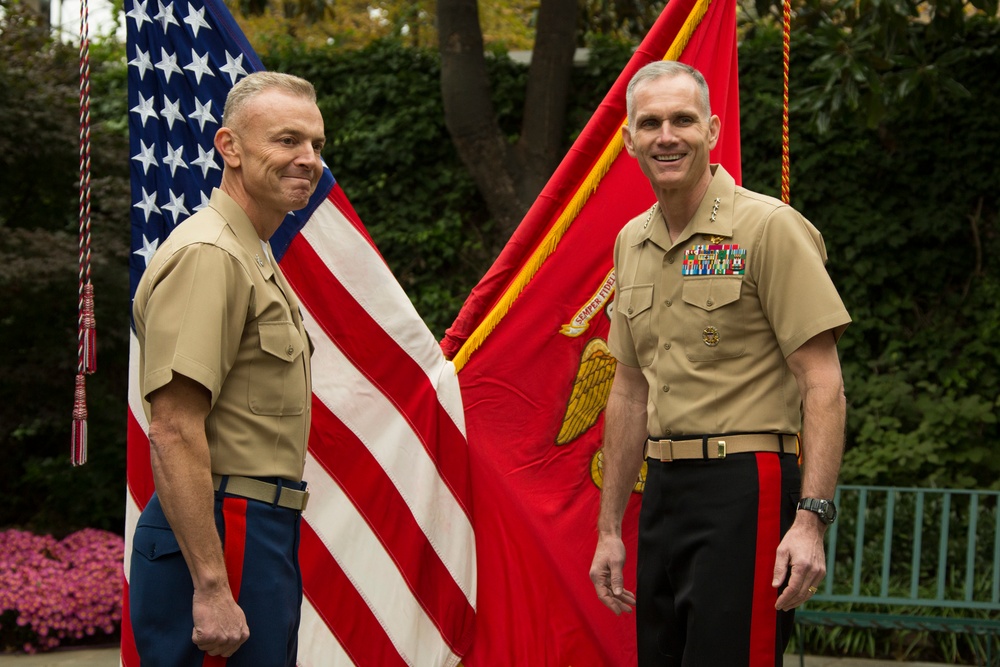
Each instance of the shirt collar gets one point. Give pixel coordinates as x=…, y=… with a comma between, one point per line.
x=714, y=216
x=239, y=222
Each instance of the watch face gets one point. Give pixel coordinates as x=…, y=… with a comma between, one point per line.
x=825, y=509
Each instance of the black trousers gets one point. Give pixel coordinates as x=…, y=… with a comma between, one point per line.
x=708, y=532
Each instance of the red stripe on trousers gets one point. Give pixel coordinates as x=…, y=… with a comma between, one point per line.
x=234, y=515
x=764, y=617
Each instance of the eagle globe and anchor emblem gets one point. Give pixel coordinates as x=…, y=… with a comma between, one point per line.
x=589, y=397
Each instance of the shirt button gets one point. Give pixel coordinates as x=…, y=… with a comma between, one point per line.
x=667, y=432
x=666, y=346
x=709, y=302
x=668, y=303
x=670, y=260
x=666, y=387
x=290, y=350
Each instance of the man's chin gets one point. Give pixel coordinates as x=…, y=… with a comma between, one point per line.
x=299, y=200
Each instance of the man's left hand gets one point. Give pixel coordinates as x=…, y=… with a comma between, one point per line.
x=800, y=560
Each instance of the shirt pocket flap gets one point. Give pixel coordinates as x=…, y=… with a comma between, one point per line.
x=154, y=542
x=636, y=300
x=712, y=293
x=281, y=340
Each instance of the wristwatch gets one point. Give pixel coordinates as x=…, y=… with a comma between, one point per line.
x=825, y=509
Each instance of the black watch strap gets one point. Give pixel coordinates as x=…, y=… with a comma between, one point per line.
x=825, y=509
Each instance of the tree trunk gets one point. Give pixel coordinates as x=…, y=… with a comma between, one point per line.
x=509, y=177
x=540, y=147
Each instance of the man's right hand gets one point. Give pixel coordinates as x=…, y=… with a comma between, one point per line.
x=606, y=573
x=220, y=627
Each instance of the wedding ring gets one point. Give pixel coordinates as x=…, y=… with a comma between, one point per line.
x=812, y=590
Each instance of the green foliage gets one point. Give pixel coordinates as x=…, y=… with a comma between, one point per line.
x=872, y=58
x=909, y=212
x=38, y=151
x=39, y=190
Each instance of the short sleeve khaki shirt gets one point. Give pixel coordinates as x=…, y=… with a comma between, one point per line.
x=711, y=317
x=212, y=305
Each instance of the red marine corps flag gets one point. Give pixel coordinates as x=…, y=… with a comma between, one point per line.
x=535, y=373
x=388, y=551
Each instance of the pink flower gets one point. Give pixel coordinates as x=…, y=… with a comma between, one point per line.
x=59, y=590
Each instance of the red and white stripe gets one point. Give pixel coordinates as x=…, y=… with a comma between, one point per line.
x=388, y=549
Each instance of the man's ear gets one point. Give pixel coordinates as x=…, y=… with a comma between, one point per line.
x=228, y=147
x=715, y=130
x=627, y=139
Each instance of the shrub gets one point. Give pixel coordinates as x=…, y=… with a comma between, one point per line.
x=59, y=592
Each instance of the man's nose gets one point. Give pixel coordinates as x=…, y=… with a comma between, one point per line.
x=308, y=156
x=666, y=131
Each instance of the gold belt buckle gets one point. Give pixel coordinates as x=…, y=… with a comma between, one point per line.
x=722, y=449
x=666, y=451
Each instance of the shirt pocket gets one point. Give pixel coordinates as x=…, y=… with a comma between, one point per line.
x=277, y=375
x=637, y=308
x=715, y=324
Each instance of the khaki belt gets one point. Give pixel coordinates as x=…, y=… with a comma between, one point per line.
x=717, y=447
x=255, y=489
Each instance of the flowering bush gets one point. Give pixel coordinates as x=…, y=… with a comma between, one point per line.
x=56, y=592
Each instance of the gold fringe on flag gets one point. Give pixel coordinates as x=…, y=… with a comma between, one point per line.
x=569, y=214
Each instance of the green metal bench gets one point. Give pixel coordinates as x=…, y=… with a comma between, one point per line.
x=917, y=559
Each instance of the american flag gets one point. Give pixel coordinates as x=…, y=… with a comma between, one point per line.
x=388, y=549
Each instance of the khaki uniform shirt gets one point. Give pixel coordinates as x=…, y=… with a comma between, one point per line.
x=710, y=318
x=213, y=306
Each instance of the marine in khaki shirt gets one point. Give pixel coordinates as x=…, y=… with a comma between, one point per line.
x=224, y=366
x=724, y=327
x=257, y=373
x=722, y=305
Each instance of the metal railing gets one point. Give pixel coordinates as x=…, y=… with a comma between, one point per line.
x=939, y=547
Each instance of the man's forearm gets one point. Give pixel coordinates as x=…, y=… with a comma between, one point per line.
x=624, y=439
x=183, y=478
x=816, y=367
x=824, y=413
x=182, y=472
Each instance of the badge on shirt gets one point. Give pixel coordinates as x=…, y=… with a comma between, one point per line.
x=716, y=259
